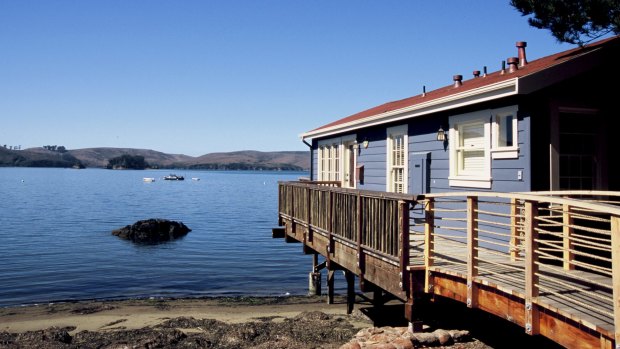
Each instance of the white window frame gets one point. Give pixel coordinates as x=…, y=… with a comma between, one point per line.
x=480, y=179
x=327, y=150
x=402, y=130
x=499, y=152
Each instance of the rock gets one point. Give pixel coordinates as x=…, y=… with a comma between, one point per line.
x=425, y=339
x=152, y=231
x=443, y=336
x=460, y=336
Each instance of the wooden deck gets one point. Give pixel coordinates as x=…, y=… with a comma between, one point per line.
x=549, y=264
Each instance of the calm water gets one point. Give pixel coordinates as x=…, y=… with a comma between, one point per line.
x=56, y=242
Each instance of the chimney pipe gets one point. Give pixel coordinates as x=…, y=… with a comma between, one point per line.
x=503, y=71
x=476, y=73
x=521, y=49
x=458, y=80
x=513, y=64
x=484, y=71
x=423, y=90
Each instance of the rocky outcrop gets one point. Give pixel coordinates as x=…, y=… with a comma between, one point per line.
x=152, y=231
x=401, y=337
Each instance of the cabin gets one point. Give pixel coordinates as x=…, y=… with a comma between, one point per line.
x=540, y=125
x=499, y=191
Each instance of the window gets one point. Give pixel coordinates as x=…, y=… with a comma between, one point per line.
x=337, y=161
x=477, y=137
x=505, y=132
x=469, y=150
x=397, y=159
x=328, y=162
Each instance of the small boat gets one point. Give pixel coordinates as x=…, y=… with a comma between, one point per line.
x=195, y=179
x=148, y=179
x=173, y=177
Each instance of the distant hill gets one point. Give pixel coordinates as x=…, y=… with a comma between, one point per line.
x=37, y=157
x=253, y=160
x=98, y=157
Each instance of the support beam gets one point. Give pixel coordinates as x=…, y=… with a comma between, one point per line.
x=515, y=232
x=532, y=317
x=377, y=297
x=429, y=242
x=567, y=237
x=330, y=286
x=278, y=233
x=350, y=290
x=472, y=251
x=403, y=239
x=314, y=284
x=615, y=262
x=314, y=278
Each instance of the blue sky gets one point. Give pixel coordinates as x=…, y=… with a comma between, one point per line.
x=195, y=77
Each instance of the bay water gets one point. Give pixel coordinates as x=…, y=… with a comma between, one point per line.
x=56, y=242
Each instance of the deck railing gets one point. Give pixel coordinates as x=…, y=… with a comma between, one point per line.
x=375, y=221
x=557, y=252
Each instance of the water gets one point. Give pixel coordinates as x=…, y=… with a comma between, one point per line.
x=56, y=242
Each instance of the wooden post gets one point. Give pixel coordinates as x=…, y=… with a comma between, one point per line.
x=403, y=236
x=330, y=239
x=350, y=290
x=567, y=237
x=330, y=286
x=314, y=278
x=429, y=242
x=531, y=268
x=615, y=265
x=309, y=221
x=514, y=231
x=472, y=251
x=360, y=252
x=292, y=208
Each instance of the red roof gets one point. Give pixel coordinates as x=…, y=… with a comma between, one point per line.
x=471, y=84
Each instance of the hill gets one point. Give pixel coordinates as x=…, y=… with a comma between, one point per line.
x=99, y=157
x=253, y=160
x=37, y=157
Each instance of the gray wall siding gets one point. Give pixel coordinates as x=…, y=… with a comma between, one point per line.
x=422, y=139
x=373, y=158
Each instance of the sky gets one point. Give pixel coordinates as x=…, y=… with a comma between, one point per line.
x=196, y=77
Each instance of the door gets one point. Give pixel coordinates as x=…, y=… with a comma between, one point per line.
x=348, y=180
x=579, y=158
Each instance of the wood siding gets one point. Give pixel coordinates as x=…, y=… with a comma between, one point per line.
x=422, y=139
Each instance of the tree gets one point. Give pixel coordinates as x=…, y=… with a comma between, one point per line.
x=128, y=161
x=572, y=21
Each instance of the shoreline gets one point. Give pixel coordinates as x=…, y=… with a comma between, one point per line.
x=93, y=315
x=242, y=322
x=223, y=322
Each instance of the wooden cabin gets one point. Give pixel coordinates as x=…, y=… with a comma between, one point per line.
x=500, y=191
x=540, y=125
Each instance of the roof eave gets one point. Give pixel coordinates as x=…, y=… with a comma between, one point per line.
x=482, y=94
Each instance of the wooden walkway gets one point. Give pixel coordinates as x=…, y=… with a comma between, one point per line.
x=548, y=264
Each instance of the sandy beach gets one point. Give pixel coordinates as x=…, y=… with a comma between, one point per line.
x=236, y=322
x=202, y=323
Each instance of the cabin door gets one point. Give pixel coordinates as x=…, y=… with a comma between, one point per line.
x=580, y=159
x=348, y=180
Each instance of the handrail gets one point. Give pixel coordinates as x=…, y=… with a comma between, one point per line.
x=368, y=193
x=538, y=246
x=611, y=209
x=546, y=244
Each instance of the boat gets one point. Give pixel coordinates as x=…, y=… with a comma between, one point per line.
x=148, y=179
x=195, y=179
x=173, y=177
